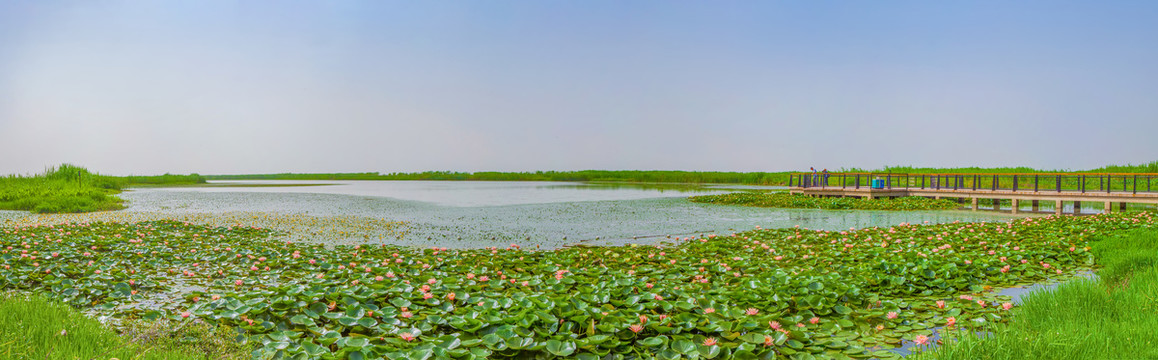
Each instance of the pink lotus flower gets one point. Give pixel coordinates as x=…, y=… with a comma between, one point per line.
x=657, y=297
x=981, y=302
x=940, y=304
x=709, y=310
x=709, y=341
x=752, y=311
x=921, y=339
x=891, y=315
x=950, y=321
x=642, y=319
x=775, y=325
x=635, y=328
x=406, y=336
x=814, y=320
x=1007, y=306
x=185, y=314
x=450, y=297
x=406, y=314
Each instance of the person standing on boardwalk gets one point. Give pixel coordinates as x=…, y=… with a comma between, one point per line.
x=815, y=176
x=825, y=181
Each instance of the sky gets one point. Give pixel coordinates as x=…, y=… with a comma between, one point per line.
x=252, y=86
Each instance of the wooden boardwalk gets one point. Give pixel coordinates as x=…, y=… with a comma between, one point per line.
x=1053, y=190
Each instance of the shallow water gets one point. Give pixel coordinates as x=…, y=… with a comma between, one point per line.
x=479, y=214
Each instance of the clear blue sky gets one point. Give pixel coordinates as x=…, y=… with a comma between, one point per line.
x=316, y=86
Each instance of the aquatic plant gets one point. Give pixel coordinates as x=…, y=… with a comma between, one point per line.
x=821, y=293
x=784, y=200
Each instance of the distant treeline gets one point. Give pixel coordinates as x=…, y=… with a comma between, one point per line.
x=651, y=176
x=691, y=177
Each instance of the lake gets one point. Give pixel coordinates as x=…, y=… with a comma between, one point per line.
x=482, y=213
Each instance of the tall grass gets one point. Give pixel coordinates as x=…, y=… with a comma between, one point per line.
x=69, y=188
x=1114, y=317
x=65, y=188
x=34, y=327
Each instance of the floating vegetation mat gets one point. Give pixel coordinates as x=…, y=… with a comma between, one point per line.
x=755, y=294
x=784, y=200
x=334, y=229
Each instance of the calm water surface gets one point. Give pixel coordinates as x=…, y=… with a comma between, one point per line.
x=551, y=214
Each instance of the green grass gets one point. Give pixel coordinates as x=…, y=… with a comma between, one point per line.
x=1114, y=317
x=63, y=189
x=70, y=189
x=34, y=327
x=783, y=200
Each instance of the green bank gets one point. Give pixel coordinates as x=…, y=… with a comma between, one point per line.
x=1112, y=317
x=68, y=188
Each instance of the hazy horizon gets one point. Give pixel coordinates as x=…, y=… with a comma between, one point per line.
x=243, y=87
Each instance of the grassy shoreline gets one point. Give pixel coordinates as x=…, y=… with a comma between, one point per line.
x=1112, y=317
x=70, y=189
x=37, y=327
x=784, y=200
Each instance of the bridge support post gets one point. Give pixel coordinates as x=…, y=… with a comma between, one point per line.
x=1033, y=205
x=1122, y=206
x=1014, y=204
x=1077, y=207
x=1109, y=206
x=937, y=197
x=1057, y=207
x=974, y=204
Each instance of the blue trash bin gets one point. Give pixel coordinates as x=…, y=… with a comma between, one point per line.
x=878, y=184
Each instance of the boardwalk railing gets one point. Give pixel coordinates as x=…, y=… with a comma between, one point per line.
x=1032, y=182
